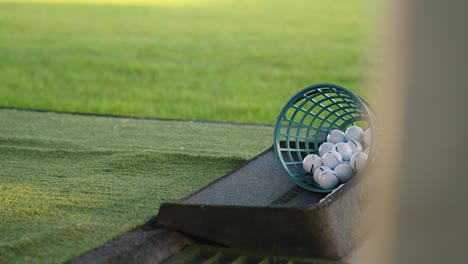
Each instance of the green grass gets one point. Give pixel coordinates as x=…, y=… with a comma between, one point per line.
x=71, y=183
x=235, y=60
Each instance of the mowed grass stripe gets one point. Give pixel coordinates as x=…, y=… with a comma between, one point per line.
x=224, y=60
x=70, y=183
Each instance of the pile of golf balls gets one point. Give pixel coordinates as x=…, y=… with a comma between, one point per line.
x=340, y=158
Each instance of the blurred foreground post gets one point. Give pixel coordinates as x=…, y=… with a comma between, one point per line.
x=422, y=171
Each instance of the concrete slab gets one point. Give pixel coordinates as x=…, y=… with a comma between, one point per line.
x=261, y=182
x=143, y=245
x=257, y=207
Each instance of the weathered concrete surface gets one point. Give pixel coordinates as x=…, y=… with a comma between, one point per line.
x=258, y=207
x=144, y=245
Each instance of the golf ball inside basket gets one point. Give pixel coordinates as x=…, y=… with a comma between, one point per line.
x=327, y=179
x=344, y=172
x=354, y=133
x=325, y=147
x=358, y=161
x=336, y=136
x=318, y=171
x=355, y=146
x=332, y=159
x=311, y=163
x=344, y=149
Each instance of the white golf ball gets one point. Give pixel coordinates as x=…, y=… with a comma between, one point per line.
x=318, y=171
x=358, y=161
x=336, y=136
x=344, y=149
x=328, y=180
x=355, y=146
x=367, y=137
x=344, y=172
x=311, y=163
x=325, y=147
x=354, y=133
x=331, y=159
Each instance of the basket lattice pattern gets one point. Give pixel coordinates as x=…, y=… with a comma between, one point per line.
x=306, y=120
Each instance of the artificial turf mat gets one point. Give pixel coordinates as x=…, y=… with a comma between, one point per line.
x=69, y=183
x=211, y=254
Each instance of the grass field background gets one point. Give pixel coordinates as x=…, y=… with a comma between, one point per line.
x=70, y=183
x=234, y=60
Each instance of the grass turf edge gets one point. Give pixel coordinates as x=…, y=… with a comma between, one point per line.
x=115, y=149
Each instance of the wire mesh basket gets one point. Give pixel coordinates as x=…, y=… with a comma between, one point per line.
x=305, y=121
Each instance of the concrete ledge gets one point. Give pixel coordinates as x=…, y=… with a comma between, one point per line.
x=257, y=207
x=143, y=245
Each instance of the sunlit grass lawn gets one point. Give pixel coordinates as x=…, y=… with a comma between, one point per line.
x=205, y=59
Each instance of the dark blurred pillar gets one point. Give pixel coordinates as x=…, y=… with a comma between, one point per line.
x=424, y=98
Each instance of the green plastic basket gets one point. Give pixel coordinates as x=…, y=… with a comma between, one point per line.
x=306, y=120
